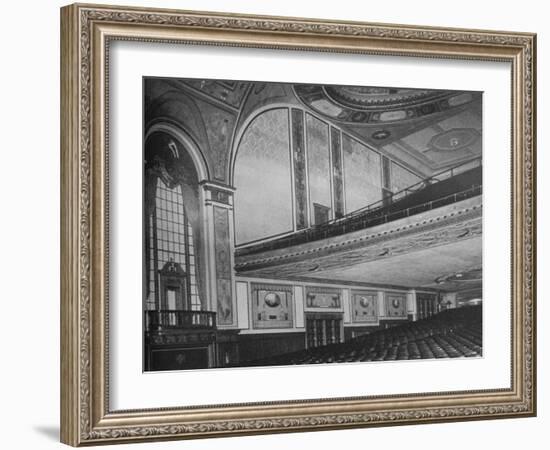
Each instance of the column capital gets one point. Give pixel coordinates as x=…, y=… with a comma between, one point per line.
x=210, y=184
x=216, y=192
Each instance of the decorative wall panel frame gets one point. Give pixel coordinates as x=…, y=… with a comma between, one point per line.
x=362, y=302
x=395, y=305
x=284, y=305
x=319, y=297
x=86, y=32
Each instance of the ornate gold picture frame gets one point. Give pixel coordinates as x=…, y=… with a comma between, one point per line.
x=87, y=413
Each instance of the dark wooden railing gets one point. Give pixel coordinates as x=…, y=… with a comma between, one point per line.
x=177, y=319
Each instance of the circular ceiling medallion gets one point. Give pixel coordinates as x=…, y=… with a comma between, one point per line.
x=369, y=97
x=467, y=276
x=381, y=134
x=454, y=139
x=367, y=105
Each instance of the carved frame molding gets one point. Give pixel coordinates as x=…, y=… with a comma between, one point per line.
x=86, y=31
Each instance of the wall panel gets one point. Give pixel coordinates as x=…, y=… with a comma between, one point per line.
x=318, y=163
x=402, y=178
x=263, y=197
x=362, y=176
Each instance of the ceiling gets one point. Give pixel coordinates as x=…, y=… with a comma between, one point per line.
x=426, y=130
x=441, y=249
x=421, y=268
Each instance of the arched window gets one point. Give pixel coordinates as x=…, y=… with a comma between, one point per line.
x=172, y=267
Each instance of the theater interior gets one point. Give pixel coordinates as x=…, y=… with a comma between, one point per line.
x=300, y=224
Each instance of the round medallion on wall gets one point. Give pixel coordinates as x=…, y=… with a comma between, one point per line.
x=364, y=302
x=222, y=256
x=272, y=299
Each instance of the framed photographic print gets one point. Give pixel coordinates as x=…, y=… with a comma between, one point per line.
x=274, y=224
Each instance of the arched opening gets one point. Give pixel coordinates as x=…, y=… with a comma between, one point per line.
x=174, y=268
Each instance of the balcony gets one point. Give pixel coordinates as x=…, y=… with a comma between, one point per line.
x=157, y=320
x=451, y=186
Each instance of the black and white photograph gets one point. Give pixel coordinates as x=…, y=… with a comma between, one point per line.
x=275, y=225
x=288, y=224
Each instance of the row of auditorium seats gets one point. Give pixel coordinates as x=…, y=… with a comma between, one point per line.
x=453, y=333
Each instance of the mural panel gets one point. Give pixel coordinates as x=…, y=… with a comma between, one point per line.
x=364, y=306
x=337, y=172
x=263, y=198
x=362, y=174
x=323, y=297
x=223, y=266
x=402, y=178
x=299, y=157
x=318, y=168
x=396, y=305
x=271, y=306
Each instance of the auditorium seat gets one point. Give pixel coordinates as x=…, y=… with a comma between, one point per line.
x=453, y=333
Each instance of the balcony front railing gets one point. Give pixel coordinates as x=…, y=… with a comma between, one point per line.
x=179, y=319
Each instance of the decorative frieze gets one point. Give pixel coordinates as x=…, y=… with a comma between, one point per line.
x=223, y=266
x=322, y=297
x=337, y=172
x=299, y=157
